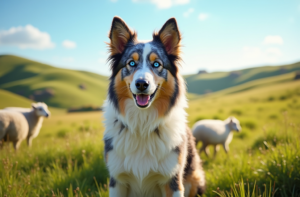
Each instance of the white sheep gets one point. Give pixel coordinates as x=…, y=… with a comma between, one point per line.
x=13, y=127
x=34, y=117
x=215, y=132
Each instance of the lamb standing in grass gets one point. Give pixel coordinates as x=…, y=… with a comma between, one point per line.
x=34, y=117
x=13, y=127
x=215, y=132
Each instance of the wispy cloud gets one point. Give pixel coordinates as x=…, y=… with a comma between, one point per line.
x=251, y=52
x=68, y=59
x=256, y=55
x=274, y=51
x=69, y=44
x=188, y=12
x=163, y=4
x=273, y=40
x=26, y=37
x=203, y=16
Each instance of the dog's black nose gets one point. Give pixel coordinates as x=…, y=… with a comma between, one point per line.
x=141, y=84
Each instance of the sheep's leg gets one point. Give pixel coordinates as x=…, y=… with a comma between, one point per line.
x=17, y=144
x=29, y=141
x=2, y=134
x=1, y=143
x=204, y=148
x=216, y=150
x=226, y=147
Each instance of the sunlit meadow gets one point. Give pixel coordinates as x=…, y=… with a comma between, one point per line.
x=66, y=159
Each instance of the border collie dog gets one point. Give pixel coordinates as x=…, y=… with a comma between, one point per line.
x=149, y=149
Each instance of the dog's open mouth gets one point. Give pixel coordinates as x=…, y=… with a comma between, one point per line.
x=143, y=100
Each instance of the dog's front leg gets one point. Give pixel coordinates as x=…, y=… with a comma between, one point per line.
x=116, y=189
x=175, y=187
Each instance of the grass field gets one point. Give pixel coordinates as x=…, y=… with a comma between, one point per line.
x=67, y=157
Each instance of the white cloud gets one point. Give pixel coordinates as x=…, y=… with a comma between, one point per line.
x=26, y=37
x=181, y=2
x=274, y=51
x=203, y=16
x=251, y=52
x=68, y=59
x=188, y=12
x=69, y=44
x=273, y=40
x=256, y=55
x=164, y=4
x=272, y=55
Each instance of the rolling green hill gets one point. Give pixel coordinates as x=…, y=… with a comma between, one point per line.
x=26, y=77
x=259, y=83
x=71, y=88
x=12, y=99
x=212, y=82
x=9, y=99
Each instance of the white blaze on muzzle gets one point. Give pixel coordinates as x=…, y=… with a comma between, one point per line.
x=143, y=84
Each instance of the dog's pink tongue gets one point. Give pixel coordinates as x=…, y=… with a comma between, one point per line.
x=142, y=99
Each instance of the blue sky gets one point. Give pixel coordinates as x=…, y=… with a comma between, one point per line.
x=217, y=35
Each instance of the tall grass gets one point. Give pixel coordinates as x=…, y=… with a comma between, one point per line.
x=264, y=159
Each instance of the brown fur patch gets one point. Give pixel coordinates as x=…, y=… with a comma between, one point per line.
x=122, y=90
x=135, y=56
x=194, y=180
x=164, y=93
x=153, y=57
x=168, y=190
x=193, y=169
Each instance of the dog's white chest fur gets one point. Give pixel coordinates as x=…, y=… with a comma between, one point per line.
x=142, y=146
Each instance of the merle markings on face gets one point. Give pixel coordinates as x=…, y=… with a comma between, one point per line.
x=145, y=68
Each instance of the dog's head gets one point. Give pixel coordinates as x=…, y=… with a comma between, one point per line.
x=144, y=72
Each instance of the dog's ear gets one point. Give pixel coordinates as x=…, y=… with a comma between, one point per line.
x=119, y=35
x=170, y=37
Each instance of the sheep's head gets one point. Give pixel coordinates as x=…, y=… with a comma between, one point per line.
x=234, y=124
x=41, y=109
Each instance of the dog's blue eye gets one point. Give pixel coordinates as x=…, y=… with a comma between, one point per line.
x=132, y=63
x=156, y=64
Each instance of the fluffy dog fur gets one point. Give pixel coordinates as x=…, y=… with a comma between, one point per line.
x=149, y=149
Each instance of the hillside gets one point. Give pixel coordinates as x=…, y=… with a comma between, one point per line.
x=57, y=87
x=65, y=88
x=212, y=82
x=67, y=156
x=9, y=99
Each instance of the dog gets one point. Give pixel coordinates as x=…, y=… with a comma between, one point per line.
x=149, y=149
